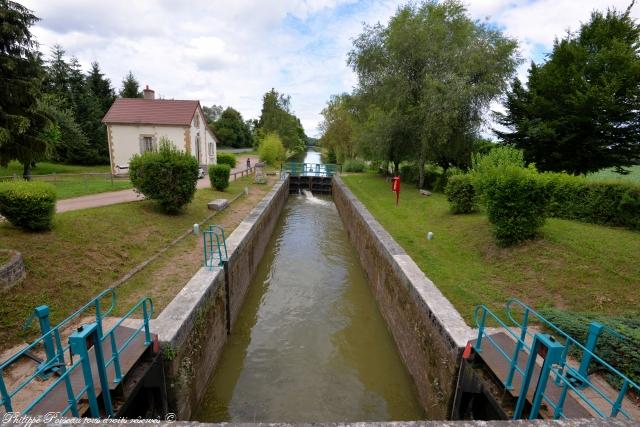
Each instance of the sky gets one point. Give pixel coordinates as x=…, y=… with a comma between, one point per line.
x=230, y=52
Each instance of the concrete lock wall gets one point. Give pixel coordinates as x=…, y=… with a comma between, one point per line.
x=428, y=330
x=192, y=329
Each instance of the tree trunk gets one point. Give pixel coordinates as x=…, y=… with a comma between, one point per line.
x=26, y=171
x=421, y=171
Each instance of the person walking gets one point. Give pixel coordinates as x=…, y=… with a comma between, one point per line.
x=248, y=162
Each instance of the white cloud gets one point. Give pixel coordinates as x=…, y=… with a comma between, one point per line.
x=231, y=52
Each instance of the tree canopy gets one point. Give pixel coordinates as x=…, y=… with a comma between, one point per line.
x=276, y=117
x=23, y=124
x=130, y=87
x=425, y=81
x=231, y=129
x=579, y=110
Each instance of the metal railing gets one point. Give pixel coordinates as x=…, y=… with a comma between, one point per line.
x=78, y=344
x=214, y=246
x=555, y=365
x=309, y=169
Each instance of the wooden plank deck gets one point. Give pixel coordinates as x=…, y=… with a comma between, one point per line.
x=500, y=367
x=57, y=399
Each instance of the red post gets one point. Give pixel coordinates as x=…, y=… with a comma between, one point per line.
x=395, y=187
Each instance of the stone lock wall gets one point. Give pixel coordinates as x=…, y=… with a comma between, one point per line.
x=428, y=330
x=12, y=272
x=192, y=329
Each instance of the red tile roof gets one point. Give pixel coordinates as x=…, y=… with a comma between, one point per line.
x=151, y=111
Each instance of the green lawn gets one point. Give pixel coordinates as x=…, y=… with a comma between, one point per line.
x=45, y=168
x=573, y=265
x=87, y=250
x=634, y=176
x=71, y=180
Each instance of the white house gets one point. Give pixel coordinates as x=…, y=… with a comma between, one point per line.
x=135, y=125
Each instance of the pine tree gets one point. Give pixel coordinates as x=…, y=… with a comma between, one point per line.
x=579, y=111
x=22, y=123
x=130, y=87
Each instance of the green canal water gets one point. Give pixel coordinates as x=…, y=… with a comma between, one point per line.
x=309, y=344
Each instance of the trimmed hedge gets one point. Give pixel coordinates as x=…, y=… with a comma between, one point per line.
x=601, y=202
x=353, y=165
x=168, y=176
x=219, y=176
x=28, y=205
x=622, y=354
x=516, y=201
x=461, y=194
x=226, y=159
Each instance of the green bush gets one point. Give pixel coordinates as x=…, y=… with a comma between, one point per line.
x=271, y=149
x=28, y=205
x=167, y=176
x=516, y=202
x=353, y=165
x=219, y=176
x=461, y=194
x=499, y=157
x=601, y=202
x=226, y=159
x=622, y=354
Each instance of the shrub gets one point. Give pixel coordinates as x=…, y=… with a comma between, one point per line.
x=28, y=205
x=622, y=354
x=226, y=159
x=353, y=165
x=219, y=176
x=516, y=202
x=167, y=176
x=271, y=149
x=461, y=194
x=600, y=202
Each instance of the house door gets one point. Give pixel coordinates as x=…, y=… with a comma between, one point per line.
x=198, y=149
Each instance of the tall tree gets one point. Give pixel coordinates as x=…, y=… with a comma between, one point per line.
x=429, y=75
x=212, y=113
x=337, y=128
x=130, y=87
x=231, y=129
x=579, y=111
x=23, y=124
x=276, y=116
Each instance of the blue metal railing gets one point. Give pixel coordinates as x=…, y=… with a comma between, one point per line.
x=556, y=365
x=214, y=246
x=309, y=169
x=51, y=341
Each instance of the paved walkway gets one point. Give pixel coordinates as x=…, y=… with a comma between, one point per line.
x=123, y=196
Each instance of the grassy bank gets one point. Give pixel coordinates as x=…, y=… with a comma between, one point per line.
x=573, y=265
x=633, y=176
x=46, y=168
x=89, y=249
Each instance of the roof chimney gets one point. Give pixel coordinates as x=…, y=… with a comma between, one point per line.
x=148, y=93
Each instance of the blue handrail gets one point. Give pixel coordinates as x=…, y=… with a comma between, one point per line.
x=309, y=169
x=58, y=361
x=564, y=374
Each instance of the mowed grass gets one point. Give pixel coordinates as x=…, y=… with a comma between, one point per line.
x=45, y=168
x=70, y=180
x=86, y=251
x=572, y=265
x=608, y=174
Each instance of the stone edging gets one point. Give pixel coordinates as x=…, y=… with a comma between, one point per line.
x=13, y=272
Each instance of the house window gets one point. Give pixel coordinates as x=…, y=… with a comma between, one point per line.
x=197, y=121
x=147, y=144
x=212, y=149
